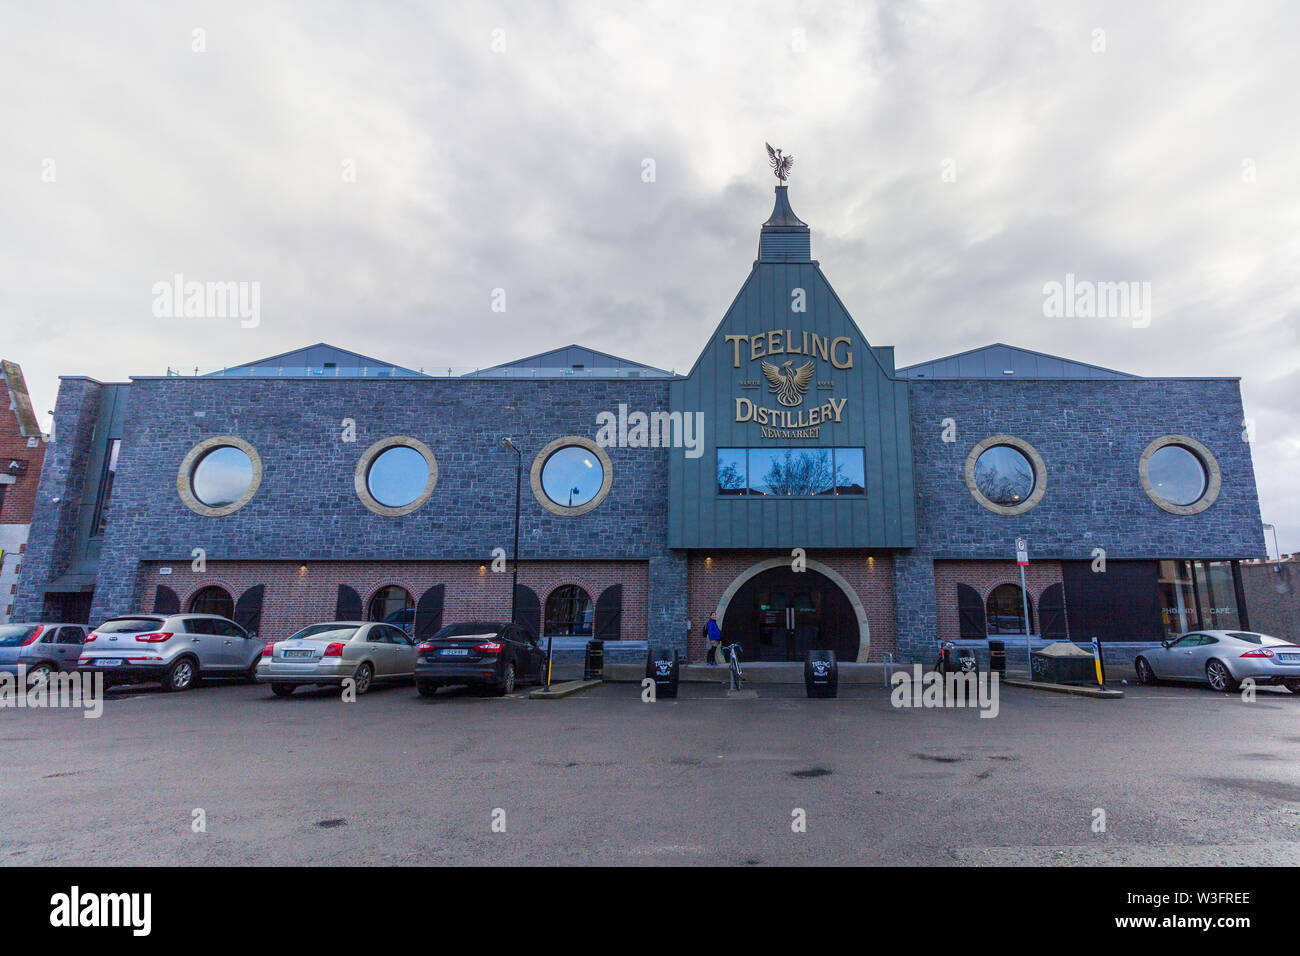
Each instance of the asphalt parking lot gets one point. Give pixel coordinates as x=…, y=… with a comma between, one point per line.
x=1183, y=775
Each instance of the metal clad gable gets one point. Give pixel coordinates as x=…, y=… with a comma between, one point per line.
x=875, y=417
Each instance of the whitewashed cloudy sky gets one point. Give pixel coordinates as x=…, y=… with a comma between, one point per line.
x=1170, y=158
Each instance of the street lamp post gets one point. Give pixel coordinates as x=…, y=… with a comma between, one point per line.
x=519, y=478
x=1269, y=527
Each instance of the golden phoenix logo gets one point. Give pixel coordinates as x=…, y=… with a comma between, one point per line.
x=787, y=382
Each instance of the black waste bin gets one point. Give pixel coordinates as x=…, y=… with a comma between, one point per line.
x=593, y=665
x=663, y=666
x=821, y=674
x=998, y=657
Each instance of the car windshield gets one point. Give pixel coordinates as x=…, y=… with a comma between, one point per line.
x=474, y=628
x=13, y=635
x=334, y=632
x=129, y=625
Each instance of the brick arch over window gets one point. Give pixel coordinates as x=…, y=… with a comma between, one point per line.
x=562, y=610
x=188, y=604
x=993, y=629
x=407, y=619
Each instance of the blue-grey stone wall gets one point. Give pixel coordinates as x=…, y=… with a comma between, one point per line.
x=1090, y=435
x=307, y=508
x=50, y=544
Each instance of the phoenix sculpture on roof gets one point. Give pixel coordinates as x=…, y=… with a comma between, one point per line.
x=781, y=165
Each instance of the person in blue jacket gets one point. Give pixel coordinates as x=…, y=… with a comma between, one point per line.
x=714, y=634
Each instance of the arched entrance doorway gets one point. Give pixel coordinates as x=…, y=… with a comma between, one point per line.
x=777, y=614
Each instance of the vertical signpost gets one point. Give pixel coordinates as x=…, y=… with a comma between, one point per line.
x=1022, y=559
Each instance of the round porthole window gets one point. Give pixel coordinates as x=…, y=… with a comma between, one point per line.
x=396, y=475
x=1179, y=474
x=1006, y=475
x=219, y=476
x=571, y=476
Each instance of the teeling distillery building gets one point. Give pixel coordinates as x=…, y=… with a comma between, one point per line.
x=321, y=484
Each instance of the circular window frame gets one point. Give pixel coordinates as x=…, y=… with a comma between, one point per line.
x=185, y=475
x=1035, y=461
x=539, y=492
x=361, y=475
x=1213, y=477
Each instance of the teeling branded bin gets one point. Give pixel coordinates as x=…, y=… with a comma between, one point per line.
x=998, y=657
x=593, y=666
x=662, y=666
x=821, y=674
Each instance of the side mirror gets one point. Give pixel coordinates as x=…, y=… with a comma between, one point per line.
x=1166, y=642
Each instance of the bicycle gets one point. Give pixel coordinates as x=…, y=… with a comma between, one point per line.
x=733, y=664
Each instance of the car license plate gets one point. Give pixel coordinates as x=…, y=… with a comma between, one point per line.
x=107, y=662
x=302, y=653
x=1289, y=658
x=454, y=652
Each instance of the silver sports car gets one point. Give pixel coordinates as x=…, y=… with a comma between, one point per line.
x=1223, y=659
x=325, y=654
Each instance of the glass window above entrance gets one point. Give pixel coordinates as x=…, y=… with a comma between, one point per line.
x=791, y=472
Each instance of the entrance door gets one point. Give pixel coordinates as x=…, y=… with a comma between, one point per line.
x=790, y=621
x=780, y=614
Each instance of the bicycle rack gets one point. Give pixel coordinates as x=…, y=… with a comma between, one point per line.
x=887, y=661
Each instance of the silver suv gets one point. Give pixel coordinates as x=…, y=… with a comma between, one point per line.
x=176, y=649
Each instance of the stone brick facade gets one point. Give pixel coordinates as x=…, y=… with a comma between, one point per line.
x=59, y=494
x=1091, y=435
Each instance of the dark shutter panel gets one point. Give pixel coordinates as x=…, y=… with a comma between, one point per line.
x=1051, y=614
x=348, y=607
x=428, y=613
x=248, y=609
x=609, y=613
x=970, y=608
x=165, y=600
x=528, y=609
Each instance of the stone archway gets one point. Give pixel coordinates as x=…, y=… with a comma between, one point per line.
x=864, y=627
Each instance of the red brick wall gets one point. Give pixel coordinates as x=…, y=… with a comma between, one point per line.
x=870, y=575
x=294, y=599
x=984, y=576
x=20, y=497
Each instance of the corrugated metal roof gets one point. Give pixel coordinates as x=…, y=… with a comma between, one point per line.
x=1008, y=361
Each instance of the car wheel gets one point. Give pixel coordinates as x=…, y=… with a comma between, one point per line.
x=39, y=672
x=507, y=685
x=180, y=676
x=1145, y=674
x=541, y=674
x=250, y=675
x=1293, y=686
x=364, y=676
x=282, y=690
x=426, y=688
x=1216, y=672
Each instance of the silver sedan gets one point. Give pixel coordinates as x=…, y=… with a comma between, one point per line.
x=1223, y=659
x=329, y=654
